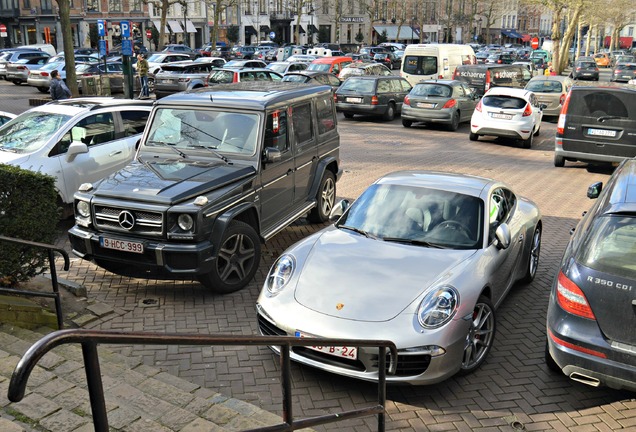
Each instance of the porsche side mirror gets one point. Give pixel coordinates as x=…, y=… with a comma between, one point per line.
x=502, y=234
x=594, y=190
x=338, y=210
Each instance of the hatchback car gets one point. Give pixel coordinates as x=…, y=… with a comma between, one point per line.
x=182, y=49
x=8, y=57
x=242, y=52
x=245, y=64
x=157, y=60
x=550, y=91
x=41, y=78
x=372, y=95
x=422, y=259
x=449, y=102
x=597, y=124
x=75, y=140
x=178, y=77
x=284, y=67
x=228, y=76
x=313, y=77
x=501, y=58
x=602, y=60
x=591, y=319
x=363, y=69
x=18, y=72
x=389, y=60
x=509, y=113
x=585, y=69
x=623, y=72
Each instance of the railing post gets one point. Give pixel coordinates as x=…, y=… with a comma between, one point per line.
x=285, y=382
x=95, y=387
x=382, y=387
x=58, y=302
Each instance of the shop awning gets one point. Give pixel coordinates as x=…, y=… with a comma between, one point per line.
x=157, y=24
x=175, y=27
x=250, y=30
x=313, y=28
x=526, y=37
x=189, y=26
x=264, y=29
x=511, y=34
x=302, y=30
x=406, y=32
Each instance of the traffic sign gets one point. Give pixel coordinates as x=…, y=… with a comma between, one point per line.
x=102, y=45
x=149, y=34
x=3, y=30
x=101, y=28
x=125, y=29
x=535, y=43
x=126, y=47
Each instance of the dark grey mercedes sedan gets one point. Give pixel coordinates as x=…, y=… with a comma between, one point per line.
x=591, y=322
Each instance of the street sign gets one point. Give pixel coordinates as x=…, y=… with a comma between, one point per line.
x=149, y=34
x=126, y=47
x=3, y=30
x=535, y=43
x=125, y=29
x=102, y=45
x=272, y=35
x=102, y=31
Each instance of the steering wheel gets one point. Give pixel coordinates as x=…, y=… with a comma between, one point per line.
x=453, y=225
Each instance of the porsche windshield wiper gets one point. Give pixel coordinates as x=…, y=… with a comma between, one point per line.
x=413, y=242
x=358, y=230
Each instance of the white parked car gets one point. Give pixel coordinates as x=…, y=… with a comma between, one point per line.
x=75, y=140
x=507, y=112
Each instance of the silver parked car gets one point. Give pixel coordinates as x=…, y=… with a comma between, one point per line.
x=550, y=91
x=18, y=72
x=182, y=76
x=422, y=259
x=449, y=102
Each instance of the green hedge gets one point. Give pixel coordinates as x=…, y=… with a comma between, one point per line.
x=28, y=211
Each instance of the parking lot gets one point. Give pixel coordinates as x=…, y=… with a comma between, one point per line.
x=514, y=390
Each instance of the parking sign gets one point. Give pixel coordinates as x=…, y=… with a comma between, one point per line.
x=125, y=29
x=101, y=28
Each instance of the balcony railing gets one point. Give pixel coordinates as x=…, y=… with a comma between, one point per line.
x=89, y=339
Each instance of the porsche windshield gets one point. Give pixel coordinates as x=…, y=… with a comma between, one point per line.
x=439, y=218
x=30, y=131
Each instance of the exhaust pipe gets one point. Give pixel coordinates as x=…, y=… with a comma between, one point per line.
x=594, y=382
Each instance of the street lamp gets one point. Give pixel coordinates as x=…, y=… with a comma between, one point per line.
x=412, y=31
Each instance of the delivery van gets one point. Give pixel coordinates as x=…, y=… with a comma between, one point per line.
x=431, y=61
x=482, y=77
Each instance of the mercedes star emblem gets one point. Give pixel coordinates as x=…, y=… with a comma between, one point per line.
x=126, y=220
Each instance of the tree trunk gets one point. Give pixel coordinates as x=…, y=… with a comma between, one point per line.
x=588, y=42
x=164, y=19
x=67, y=38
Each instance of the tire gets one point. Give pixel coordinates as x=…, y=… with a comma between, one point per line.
x=480, y=337
x=325, y=199
x=406, y=123
x=151, y=85
x=559, y=161
x=533, y=256
x=390, y=112
x=17, y=82
x=454, y=124
x=237, y=260
x=43, y=90
x=527, y=143
x=348, y=115
x=473, y=137
x=538, y=131
x=549, y=361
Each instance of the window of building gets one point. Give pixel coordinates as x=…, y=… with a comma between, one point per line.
x=92, y=5
x=114, y=5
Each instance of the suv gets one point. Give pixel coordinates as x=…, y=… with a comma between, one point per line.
x=596, y=124
x=243, y=52
x=218, y=171
x=177, y=77
x=75, y=140
x=182, y=49
x=372, y=95
x=362, y=69
x=585, y=68
x=482, y=77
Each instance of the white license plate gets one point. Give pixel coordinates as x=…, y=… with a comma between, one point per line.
x=121, y=245
x=353, y=99
x=337, y=351
x=166, y=81
x=425, y=105
x=601, y=132
x=501, y=116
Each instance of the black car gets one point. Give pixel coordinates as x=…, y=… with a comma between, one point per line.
x=210, y=181
x=591, y=320
x=597, y=124
x=585, y=69
x=313, y=77
x=623, y=72
x=389, y=60
x=182, y=49
x=372, y=95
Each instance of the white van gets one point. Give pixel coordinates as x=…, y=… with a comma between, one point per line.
x=430, y=61
x=47, y=48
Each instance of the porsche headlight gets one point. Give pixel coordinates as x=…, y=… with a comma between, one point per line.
x=83, y=209
x=185, y=222
x=280, y=274
x=438, y=307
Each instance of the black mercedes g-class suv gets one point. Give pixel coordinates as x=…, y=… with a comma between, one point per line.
x=217, y=171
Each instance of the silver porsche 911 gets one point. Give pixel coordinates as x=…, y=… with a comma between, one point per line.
x=421, y=259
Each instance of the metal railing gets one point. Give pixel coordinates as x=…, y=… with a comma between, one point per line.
x=55, y=295
x=89, y=339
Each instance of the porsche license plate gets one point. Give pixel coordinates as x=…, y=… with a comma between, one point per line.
x=353, y=99
x=601, y=132
x=121, y=245
x=501, y=116
x=337, y=351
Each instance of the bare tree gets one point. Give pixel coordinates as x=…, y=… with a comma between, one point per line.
x=162, y=6
x=67, y=38
x=490, y=10
x=220, y=7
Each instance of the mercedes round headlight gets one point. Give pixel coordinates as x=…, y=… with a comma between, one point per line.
x=83, y=209
x=185, y=222
x=280, y=274
x=438, y=307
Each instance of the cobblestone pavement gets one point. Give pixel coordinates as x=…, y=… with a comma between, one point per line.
x=514, y=390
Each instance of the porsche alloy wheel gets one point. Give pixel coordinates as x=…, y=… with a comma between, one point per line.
x=480, y=337
x=533, y=257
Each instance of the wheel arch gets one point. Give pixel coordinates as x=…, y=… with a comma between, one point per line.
x=331, y=164
x=245, y=212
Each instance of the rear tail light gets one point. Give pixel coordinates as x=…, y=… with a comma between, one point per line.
x=528, y=111
x=478, y=107
x=407, y=101
x=562, y=99
x=21, y=68
x=487, y=80
x=617, y=71
x=564, y=110
x=374, y=100
x=451, y=103
x=235, y=78
x=440, y=76
x=499, y=61
x=455, y=73
x=44, y=74
x=561, y=342
x=572, y=299
x=578, y=68
x=184, y=80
